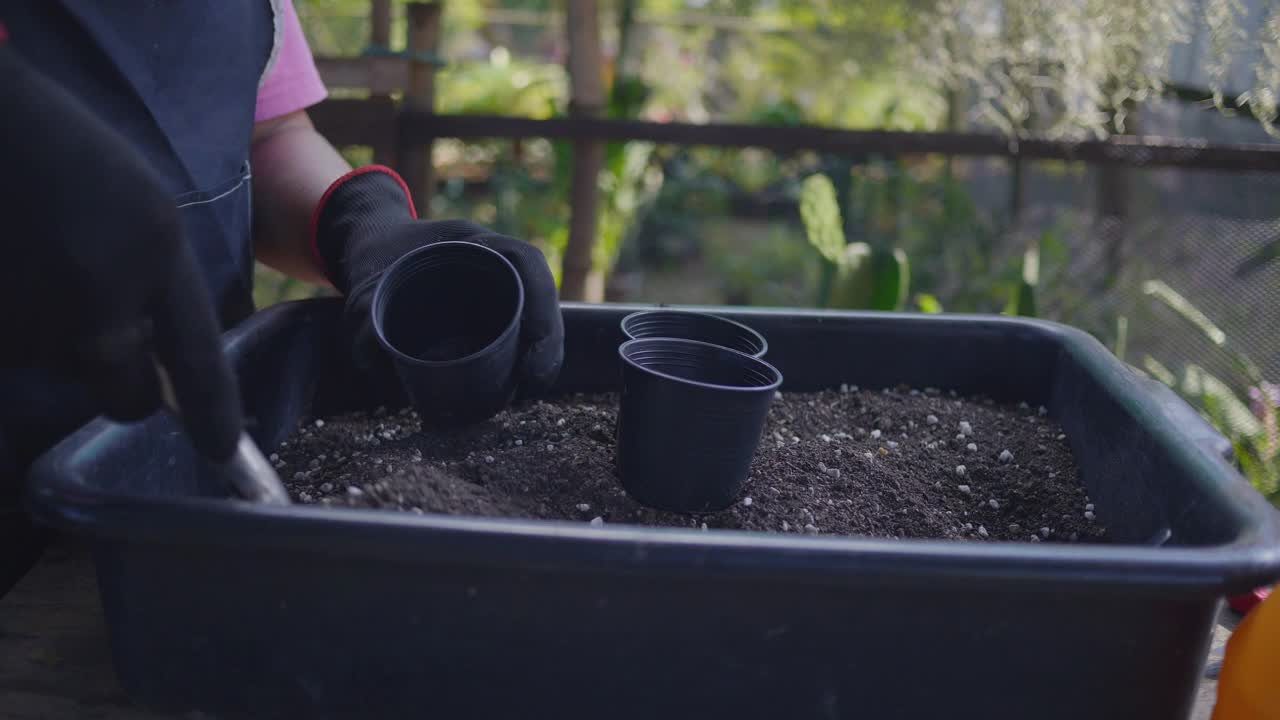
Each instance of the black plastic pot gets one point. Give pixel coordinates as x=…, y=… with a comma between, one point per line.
x=691, y=325
x=304, y=611
x=448, y=314
x=691, y=417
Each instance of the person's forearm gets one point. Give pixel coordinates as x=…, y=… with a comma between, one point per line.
x=293, y=166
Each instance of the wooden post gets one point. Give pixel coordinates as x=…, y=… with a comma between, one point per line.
x=384, y=151
x=419, y=95
x=1016, y=188
x=1113, y=196
x=955, y=119
x=380, y=24
x=1113, y=179
x=585, y=65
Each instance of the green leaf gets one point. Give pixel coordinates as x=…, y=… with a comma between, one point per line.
x=1157, y=370
x=1053, y=249
x=871, y=278
x=1122, y=337
x=928, y=304
x=1023, y=279
x=1031, y=265
x=627, y=97
x=557, y=241
x=1024, y=303
x=1263, y=472
x=1161, y=291
x=820, y=212
x=562, y=154
x=851, y=288
x=1023, y=300
x=1183, y=307
x=826, y=284
x=891, y=279
x=615, y=160
x=782, y=112
x=1227, y=412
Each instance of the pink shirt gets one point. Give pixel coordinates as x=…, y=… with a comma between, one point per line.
x=292, y=82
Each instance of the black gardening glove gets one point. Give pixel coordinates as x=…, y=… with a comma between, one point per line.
x=366, y=221
x=96, y=280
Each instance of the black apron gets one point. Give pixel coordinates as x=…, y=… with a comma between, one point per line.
x=179, y=79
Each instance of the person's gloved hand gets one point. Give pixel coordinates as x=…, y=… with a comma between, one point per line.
x=366, y=221
x=97, y=281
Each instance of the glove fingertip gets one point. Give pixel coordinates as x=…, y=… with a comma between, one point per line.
x=541, y=366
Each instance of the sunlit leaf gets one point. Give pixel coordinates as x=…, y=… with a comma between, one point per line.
x=928, y=303
x=1024, y=303
x=1264, y=475
x=1122, y=337
x=820, y=211
x=1158, y=371
x=1031, y=265
x=891, y=279
x=1161, y=291
x=1220, y=402
x=853, y=282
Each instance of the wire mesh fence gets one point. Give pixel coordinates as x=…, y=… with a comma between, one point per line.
x=1179, y=267
x=1178, y=271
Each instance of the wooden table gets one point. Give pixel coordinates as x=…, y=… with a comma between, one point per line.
x=55, y=663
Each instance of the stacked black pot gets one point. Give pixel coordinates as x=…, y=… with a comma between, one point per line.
x=695, y=395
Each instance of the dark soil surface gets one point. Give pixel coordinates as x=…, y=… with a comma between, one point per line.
x=903, y=463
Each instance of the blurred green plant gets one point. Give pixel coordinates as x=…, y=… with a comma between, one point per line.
x=763, y=264
x=956, y=250
x=1076, y=69
x=858, y=275
x=1248, y=419
x=920, y=230
x=501, y=86
x=928, y=304
x=1022, y=298
x=628, y=185
x=629, y=181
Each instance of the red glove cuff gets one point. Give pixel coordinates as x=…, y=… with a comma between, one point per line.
x=316, y=216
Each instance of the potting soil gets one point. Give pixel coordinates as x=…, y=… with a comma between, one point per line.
x=893, y=464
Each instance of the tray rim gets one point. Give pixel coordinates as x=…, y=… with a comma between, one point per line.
x=59, y=496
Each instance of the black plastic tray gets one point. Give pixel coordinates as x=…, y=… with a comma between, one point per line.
x=312, y=612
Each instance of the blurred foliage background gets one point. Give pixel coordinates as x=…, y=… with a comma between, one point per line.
x=1178, y=271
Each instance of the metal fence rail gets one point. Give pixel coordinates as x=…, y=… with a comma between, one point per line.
x=374, y=122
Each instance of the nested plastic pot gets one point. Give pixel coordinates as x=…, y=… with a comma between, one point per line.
x=448, y=314
x=689, y=325
x=690, y=420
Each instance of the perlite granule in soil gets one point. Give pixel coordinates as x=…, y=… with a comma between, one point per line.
x=898, y=463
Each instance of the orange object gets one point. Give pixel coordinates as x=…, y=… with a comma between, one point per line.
x=1249, y=685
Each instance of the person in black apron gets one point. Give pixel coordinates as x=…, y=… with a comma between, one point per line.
x=138, y=187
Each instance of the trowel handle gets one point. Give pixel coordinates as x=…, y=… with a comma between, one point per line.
x=247, y=471
x=167, y=395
